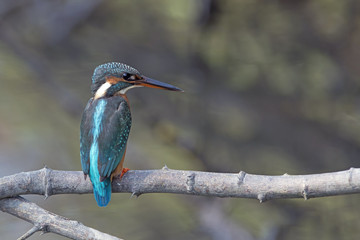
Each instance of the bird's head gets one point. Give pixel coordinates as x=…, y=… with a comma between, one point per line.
x=116, y=78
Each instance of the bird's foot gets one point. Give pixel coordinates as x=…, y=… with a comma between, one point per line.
x=124, y=170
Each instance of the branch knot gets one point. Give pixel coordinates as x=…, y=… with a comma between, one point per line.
x=47, y=182
x=241, y=177
x=305, y=191
x=261, y=197
x=351, y=171
x=165, y=168
x=190, y=182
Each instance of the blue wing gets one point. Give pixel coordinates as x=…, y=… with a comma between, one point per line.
x=114, y=135
x=86, y=137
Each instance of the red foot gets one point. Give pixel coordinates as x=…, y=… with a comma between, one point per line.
x=124, y=170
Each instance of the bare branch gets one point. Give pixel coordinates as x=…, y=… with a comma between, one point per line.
x=242, y=185
x=46, y=221
x=49, y=182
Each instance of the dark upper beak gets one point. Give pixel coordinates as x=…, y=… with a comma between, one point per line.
x=152, y=83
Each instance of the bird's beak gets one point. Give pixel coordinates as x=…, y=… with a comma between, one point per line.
x=152, y=83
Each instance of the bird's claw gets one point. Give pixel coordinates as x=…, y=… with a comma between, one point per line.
x=124, y=170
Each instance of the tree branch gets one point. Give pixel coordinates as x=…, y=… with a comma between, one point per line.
x=242, y=185
x=49, y=182
x=46, y=221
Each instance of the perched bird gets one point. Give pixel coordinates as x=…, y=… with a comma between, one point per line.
x=106, y=123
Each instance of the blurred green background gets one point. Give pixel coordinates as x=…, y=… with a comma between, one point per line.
x=271, y=87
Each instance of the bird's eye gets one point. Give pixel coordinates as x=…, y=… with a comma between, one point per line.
x=126, y=76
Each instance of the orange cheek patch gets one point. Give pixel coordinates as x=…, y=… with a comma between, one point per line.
x=113, y=80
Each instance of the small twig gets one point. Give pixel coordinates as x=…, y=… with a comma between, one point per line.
x=33, y=230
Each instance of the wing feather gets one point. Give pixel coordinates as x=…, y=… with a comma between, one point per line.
x=86, y=137
x=112, y=140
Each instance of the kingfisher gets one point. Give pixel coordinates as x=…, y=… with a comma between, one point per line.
x=106, y=123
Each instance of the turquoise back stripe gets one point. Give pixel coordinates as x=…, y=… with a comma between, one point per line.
x=99, y=187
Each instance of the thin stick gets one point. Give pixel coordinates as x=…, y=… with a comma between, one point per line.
x=33, y=230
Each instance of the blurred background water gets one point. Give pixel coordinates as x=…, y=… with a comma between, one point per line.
x=271, y=87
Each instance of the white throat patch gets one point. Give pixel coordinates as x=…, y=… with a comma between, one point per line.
x=102, y=90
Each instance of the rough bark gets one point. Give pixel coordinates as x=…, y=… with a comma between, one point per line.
x=49, y=182
x=241, y=185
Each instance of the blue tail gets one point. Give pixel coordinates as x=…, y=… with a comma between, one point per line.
x=102, y=192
